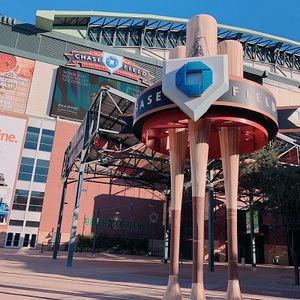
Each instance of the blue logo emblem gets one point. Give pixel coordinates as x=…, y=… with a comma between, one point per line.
x=112, y=62
x=193, y=78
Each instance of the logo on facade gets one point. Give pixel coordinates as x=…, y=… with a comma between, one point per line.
x=108, y=62
x=116, y=222
x=112, y=62
x=194, y=78
x=194, y=84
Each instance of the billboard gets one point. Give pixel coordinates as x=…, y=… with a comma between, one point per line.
x=15, y=80
x=75, y=90
x=111, y=63
x=11, y=143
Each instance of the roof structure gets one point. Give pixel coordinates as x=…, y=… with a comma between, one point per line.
x=152, y=31
x=111, y=151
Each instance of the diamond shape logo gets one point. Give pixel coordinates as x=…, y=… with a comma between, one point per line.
x=112, y=62
x=194, y=84
x=193, y=78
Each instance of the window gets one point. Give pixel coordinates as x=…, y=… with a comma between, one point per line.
x=33, y=240
x=41, y=170
x=32, y=224
x=16, y=222
x=26, y=240
x=16, y=240
x=32, y=137
x=26, y=169
x=46, y=140
x=9, y=239
x=36, y=201
x=20, y=199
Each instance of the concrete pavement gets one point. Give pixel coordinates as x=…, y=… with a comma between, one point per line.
x=29, y=274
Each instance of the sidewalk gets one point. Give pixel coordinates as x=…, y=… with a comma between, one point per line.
x=29, y=274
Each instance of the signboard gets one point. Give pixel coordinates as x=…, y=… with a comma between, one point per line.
x=241, y=93
x=289, y=119
x=15, y=80
x=11, y=143
x=255, y=222
x=194, y=84
x=111, y=63
x=75, y=90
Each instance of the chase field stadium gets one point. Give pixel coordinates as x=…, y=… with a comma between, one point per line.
x=52, y=73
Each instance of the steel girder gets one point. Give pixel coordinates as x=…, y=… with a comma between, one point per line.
x=151, y=34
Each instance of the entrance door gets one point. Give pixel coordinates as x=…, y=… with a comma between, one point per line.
x=13, y=239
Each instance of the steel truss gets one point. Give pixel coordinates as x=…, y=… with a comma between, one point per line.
x=167, y=34
x=111, y=150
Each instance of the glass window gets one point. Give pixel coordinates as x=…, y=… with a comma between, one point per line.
x=32, y=137
x=46, y=140
x=16, y=240
x=33, y=240
x=26, y=169
x=41, y=170
x=16, y=222
x=20, y=200
x=32, y=224
x=26, y=240
x=36, y=201
x=9, y=239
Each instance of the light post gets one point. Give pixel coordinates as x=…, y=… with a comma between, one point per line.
x=95, y=234
x=153, y=217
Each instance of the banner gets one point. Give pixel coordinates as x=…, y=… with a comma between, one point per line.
x=75, y=91
x=11, y=143
x=15, y=80
x=255, y=222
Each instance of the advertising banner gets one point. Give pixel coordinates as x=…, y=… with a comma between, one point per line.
x=15, y=80
x=11, y=143
x=75, y=90
x=255, y=222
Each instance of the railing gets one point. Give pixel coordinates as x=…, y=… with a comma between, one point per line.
x=153, y=251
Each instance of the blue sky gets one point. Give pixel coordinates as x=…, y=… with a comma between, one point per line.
x=276, y=17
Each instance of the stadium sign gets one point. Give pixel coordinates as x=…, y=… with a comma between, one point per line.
x=108, y=62
x=241, y=93
x=194, y=83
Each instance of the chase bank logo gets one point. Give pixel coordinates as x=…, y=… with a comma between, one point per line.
x=112, y=62
x=195, y=83
x=193, y=78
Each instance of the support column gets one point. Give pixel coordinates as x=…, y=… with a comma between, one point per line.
x=201, y=40
x=76, y=210
x=229, y=143
x=177, y=149
x=178, y=145
x=199, y=144
x=60, y=216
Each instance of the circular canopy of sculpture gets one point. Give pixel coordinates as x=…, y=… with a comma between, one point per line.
x=247, y=105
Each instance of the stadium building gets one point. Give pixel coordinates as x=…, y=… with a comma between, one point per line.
x=53, y=72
